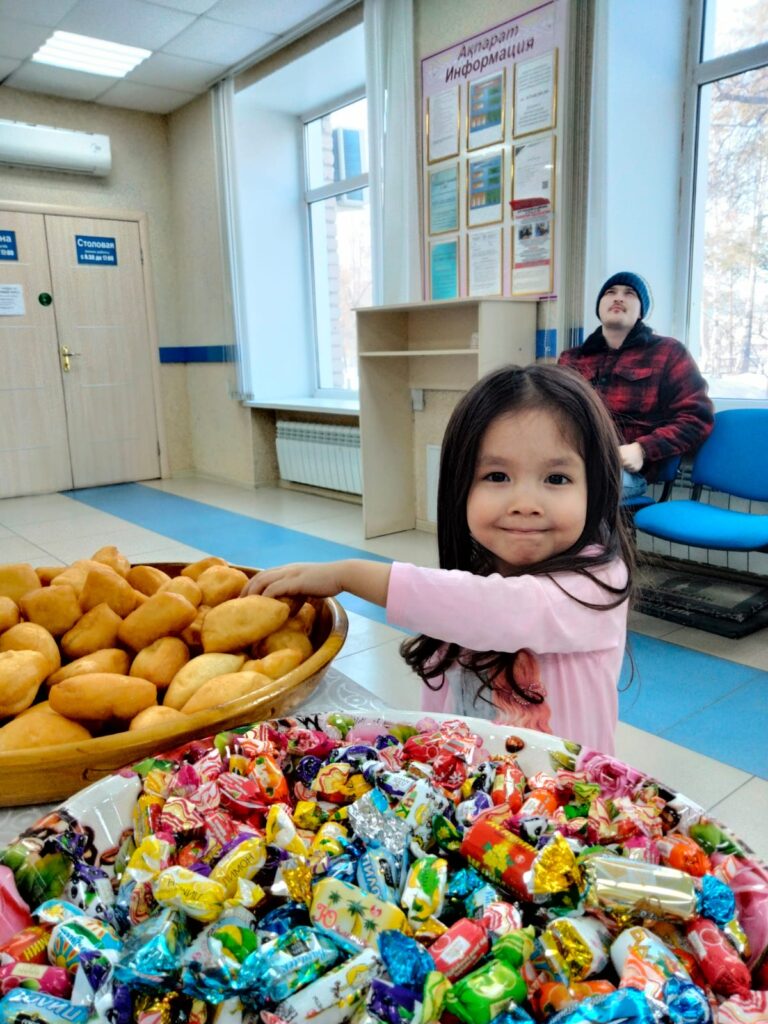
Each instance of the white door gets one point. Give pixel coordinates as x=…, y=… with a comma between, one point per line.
x=77, y=403
x=34, y=450
x=101, y=316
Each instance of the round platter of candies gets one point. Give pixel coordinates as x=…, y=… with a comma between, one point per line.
x=337, y=868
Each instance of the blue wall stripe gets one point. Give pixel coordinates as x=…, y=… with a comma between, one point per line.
x=546, y=342
x=197, y=353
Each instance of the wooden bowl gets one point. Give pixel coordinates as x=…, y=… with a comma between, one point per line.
x=52, y=773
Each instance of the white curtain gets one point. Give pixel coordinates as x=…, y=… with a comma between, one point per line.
x=393, y=172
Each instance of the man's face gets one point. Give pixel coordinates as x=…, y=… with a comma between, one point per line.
x=619, y=307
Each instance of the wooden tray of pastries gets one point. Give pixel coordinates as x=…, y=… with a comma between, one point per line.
x=103, y=662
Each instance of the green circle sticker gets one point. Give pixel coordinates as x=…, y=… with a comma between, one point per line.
x=44, y=299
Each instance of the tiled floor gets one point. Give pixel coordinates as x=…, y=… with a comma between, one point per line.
x=676, y=696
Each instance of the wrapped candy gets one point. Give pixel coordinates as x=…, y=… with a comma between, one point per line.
x=644, y=962
x=574, y=948
x=351, y=914
x=627, y=889
x=725, y=972
x=53, y=981
x=332, y=998
x=499, y=854
x=200, y=897
x=75, y=934
x=479, y=996
x=424, y=889
x=22, y=1004
x=458, y=950
x=404, y=900
x=14, y=912
x=287, y=964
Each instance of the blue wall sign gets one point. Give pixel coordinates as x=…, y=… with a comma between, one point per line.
x=8, y=250
x=96, y=249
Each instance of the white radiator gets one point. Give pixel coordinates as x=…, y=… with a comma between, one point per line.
x=320, y=454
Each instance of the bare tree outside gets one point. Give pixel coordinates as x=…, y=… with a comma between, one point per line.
x=733, y=171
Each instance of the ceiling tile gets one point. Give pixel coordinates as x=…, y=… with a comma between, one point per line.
x=218, y=42
x=192, y=6
x=7, y=65
x=39, y=12
x=132, y=22
x=135, y=96
x=166, y=71
x=274, y=16
x=76, y=85
x=19, y=38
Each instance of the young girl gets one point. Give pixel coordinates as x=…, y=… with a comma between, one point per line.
x=525, y=621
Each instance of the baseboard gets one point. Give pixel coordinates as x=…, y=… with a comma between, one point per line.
x=322, y=492
x=426, y=525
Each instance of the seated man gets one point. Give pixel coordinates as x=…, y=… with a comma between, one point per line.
x=650, y=384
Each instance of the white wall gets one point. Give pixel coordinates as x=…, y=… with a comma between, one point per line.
x=272, y=249
x=636, y=137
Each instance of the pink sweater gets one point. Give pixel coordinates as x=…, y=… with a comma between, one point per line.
x=579, y=650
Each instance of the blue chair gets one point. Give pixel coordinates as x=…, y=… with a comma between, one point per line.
x=733, y=460
x=665, y=474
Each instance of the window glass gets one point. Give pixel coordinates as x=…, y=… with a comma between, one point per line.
x=732, y=236
x=340, y=236
x=341, y=264
x=336, y=145
x=732, y=25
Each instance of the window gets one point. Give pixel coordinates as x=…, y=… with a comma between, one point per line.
x=336, y=167
x=729, y=285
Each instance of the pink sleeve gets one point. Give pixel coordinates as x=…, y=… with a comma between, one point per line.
x=497, y=613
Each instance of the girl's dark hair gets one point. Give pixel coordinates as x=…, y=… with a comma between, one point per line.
x=587, y=424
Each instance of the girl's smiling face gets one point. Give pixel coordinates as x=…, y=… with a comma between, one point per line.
x=528, y=499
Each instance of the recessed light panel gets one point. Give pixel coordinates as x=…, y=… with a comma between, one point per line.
x=84, y=53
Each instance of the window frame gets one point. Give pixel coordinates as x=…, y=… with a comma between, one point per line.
x=314, y=195
x=702, y=72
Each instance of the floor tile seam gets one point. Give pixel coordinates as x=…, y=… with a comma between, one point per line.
x=733, y=792
x=363, y=650
x=711, y=654
x=705, y=707
x=754, y=669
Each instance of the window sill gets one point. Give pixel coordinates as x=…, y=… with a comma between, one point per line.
x=340, y=406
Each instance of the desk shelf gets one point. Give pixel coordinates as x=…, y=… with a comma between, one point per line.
x=444, y=346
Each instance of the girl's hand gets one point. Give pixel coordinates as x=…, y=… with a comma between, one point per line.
x=359, y=576
x=313, y=579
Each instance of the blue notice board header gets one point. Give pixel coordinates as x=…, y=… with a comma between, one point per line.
x=96, y=249
x=8, y=250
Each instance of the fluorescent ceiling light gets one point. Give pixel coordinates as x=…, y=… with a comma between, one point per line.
x=83, y=53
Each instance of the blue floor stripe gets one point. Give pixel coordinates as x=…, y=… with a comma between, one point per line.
x=693, y=699
x=240, y=539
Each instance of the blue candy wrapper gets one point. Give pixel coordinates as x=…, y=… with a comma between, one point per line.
x=23, y=1004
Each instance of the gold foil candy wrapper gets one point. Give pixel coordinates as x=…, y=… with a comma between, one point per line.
x=630, y=890
x=582, y=944
x=296, y=874
x=555, y=869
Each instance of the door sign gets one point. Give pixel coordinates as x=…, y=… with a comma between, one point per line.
x=11, y=300
x=96, y=249
x=8, y=250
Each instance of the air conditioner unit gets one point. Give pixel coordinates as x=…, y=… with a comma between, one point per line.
x=54, y=149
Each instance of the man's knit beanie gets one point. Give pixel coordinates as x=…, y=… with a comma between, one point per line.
x=633, y=281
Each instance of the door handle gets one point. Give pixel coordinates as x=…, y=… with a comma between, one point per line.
x=66, y=357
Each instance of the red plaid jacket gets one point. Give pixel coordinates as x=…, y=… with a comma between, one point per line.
x=652, y=388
